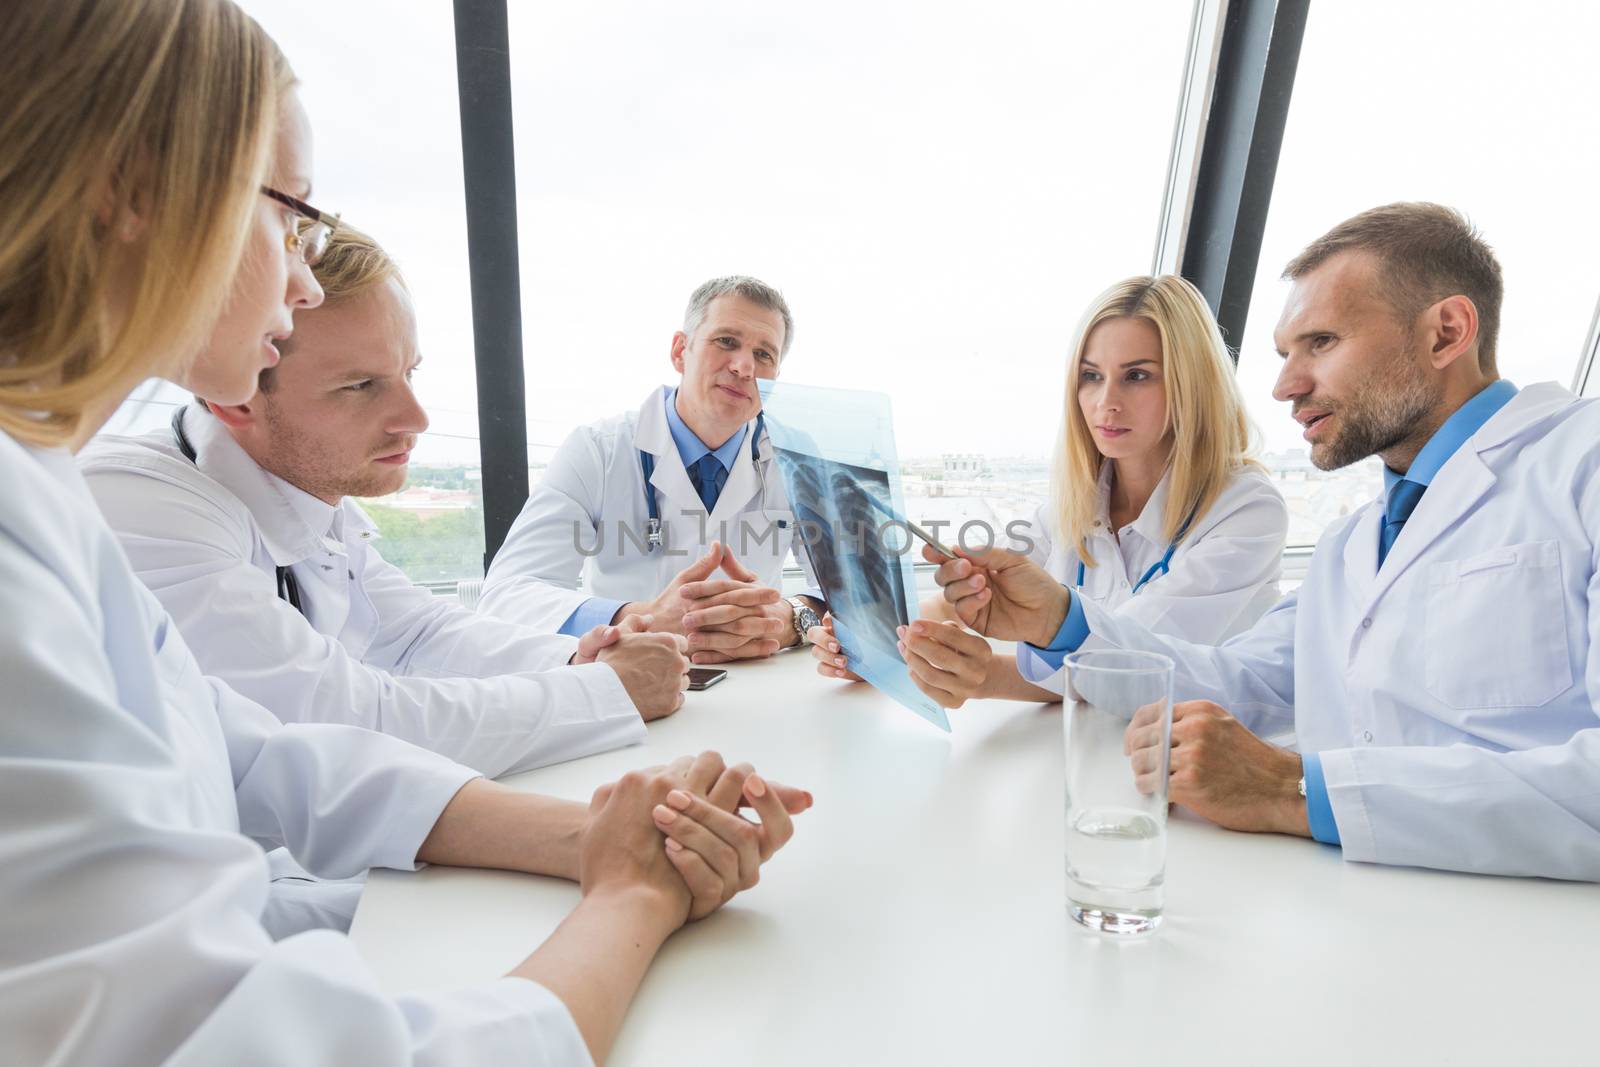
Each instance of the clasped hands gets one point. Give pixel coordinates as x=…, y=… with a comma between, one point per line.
x=696, y=619
x=721, y=619
x=674, y=832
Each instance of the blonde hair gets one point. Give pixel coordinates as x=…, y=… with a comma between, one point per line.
x=1205, y=412
x=352, y=264
x=163, y=108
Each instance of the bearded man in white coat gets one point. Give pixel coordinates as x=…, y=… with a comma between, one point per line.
x=627, y=503
x=1440, y=664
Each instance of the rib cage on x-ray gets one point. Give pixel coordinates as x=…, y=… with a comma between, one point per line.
x=835, y=451
x=859, y=573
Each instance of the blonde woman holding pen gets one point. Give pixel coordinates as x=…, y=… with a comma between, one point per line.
x=1157, y=509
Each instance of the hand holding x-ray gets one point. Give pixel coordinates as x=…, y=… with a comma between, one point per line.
x=947, y=661
x=830, y=656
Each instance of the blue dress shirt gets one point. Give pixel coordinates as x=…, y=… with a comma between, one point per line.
x=1467, y=420
x=599, y=611
x=691, y=448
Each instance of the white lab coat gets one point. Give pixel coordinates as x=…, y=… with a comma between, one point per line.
x=1450, y=695
x=1223, y=575
x=596, y=481
x=134, y=793
x=373, y=649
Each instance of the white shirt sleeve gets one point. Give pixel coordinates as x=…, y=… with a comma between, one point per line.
x=1252, y=675
x=534, y=577
x=196, y=557
x=423, y=634
x=131, y=920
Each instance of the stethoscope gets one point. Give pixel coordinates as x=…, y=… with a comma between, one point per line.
x=647, y=463
x=1160, y=567
x=288, y=588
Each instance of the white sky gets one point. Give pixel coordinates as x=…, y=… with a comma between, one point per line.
x=938, y=189
x=1466, y=104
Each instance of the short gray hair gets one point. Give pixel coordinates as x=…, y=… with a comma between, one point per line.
x=752, y=289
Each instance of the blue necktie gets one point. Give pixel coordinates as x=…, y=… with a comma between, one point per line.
x=1403, y=500
x=708, y=476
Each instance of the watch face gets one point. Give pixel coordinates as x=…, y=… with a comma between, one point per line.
x=804, y=617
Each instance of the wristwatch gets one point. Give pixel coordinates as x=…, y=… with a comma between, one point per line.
x=805, y=617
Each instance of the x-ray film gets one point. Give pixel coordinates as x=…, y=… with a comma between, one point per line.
x=835, y=450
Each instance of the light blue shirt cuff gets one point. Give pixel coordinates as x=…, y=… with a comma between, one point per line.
x=596, y=611
x=1032, y=666
x=1073, y=633
x=1319, y=812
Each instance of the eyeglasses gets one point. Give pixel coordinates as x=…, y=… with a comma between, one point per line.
x=310, y=237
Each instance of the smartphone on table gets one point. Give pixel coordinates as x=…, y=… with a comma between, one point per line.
x=705, y=677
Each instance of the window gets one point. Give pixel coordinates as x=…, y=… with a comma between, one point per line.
x=938, y=191
x=1587, y=381
x=1475, y=110
x=381, y=93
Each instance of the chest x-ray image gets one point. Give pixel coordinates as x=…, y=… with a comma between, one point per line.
x=835, y=450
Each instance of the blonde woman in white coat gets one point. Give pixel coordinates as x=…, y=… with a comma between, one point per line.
x=154, y=173
x=1157, y=512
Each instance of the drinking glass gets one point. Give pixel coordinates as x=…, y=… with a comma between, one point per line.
x=1116, y=836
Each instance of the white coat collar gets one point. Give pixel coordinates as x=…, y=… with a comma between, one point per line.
x=290, y=531
x=1521, y=413
x=322, y=517
x=1452, y=495
x=652, y=434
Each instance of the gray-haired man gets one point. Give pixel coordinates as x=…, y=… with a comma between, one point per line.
x=649, y=505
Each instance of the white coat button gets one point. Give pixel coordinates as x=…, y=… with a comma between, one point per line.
x=1366, y=735
x=1366, y=624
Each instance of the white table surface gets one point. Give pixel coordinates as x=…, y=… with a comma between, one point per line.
x=918, y=917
